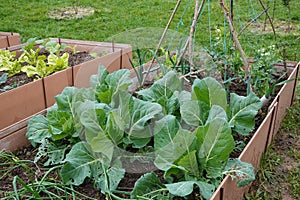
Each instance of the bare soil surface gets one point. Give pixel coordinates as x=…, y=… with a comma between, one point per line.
x=72, y=12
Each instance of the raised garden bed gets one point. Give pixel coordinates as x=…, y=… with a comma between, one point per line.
x=8, y=39
x=17, y=105
x=261, y=138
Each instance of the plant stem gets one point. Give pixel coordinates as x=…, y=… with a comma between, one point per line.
x=116, y=197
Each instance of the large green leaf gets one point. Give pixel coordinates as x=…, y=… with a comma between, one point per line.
x=173, y=105
x=61, y=123
x=194, y=113
x=215, y=145
x=189, y=162
x=165, y=86
x=37, y=130
x=119, y=80
x=65, y=100
x=178, y=146
x=217, y=112
x=80, y=164
x=110, y=179
x=63, y=117
x=92, y=115
x=115, y=128
x=165, y=130
x=243, y=171
x=139, y=129
x=106, y=85
x=162, y=92
x=183, y=96
x=55, y=153
x=122, y=103
x=243, y=111
x=185, y=188
x=102, y=144
x=99, y=78
x=209, y=91
x=149, y=187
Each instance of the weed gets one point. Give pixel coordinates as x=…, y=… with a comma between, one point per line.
x=294, y=180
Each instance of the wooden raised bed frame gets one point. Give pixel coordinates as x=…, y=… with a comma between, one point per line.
x=19, y=104
x=262, y=138
x=228, y=189
x=8, y=39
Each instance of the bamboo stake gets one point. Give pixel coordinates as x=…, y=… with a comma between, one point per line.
x=231, y=10
x=265, y=22
x=274, y=8
x=270, y=20
x=190, y=39
x=162, y=38
x=235, y=39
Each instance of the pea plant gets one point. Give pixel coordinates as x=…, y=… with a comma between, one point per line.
x=97, y=134
x=262, y=71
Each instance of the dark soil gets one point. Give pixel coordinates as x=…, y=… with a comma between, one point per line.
x=22, y=79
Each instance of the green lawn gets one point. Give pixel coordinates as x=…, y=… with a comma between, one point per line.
x=30, y=19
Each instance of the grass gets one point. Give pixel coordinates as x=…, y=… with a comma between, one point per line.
x=30, y=19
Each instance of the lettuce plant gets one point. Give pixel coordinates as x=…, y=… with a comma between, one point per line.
x=188, y=135
x=8, y=63
x=40, y=66
x=32, y=63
